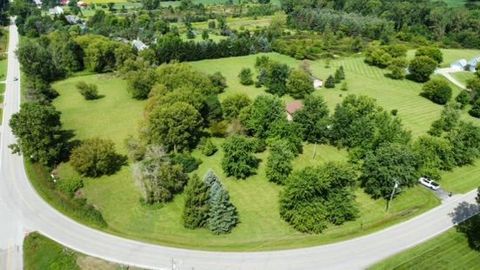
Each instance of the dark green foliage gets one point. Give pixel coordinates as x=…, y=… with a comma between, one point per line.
x=157, y=177
x=432, y=52
x=219, y=81
x=259, y=117
x=313, y=119
x=437, y=90
x=39, y=134
x=398, y=68
x=276, y=78
x=69, y=185
x=140, y=83
x=389, y=163
x=435, y=154
x=465, y=141
x=88, y=91
x=186, y=160
x=463, y=98
x=471, y=229
x=208, y=148
x=212, y=110
x=330, y=82
x=282, y=129
x=259, y=145
x=421, y=67
x=238, y=160
x=195, y=211
x=448, y=120
x=339, y=74
x=176, y=126
x=360, y=122
x=232, y=105
x=299, y=84
x=475, y=110
x=37, y=62
x=279, y=163
x=246, y=76
x=314, y=197
x=96, y=157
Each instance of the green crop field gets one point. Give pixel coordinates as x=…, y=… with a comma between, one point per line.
x=449, y=250
x=116, y=116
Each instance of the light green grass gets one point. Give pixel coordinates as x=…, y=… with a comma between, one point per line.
x=41, y=253
x=449, y=250
x=116, y=115
x=417, y=113
x=463, y=179
x=464, y=76
x=452, y=55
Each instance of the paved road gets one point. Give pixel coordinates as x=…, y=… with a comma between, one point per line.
x=447, y=73
x=29, y=211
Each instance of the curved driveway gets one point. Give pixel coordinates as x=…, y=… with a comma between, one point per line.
x=29, y=211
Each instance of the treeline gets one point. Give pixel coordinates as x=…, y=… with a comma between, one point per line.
x=411, y=21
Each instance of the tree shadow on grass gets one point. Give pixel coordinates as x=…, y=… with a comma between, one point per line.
x=467, y=219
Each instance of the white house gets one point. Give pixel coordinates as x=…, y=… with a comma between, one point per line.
x=473, y=64
x=317, y=83
x=459, y=65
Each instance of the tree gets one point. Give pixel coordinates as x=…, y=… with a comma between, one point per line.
x=421, y=67
x=299, y=84
x=437, y=90
x=465, y=141
x=390, y=163
x=140, y=83
x=233, y=104
x=88, y=91
x=313, y=119
x=339, y=75
x=195, y=211
x=205, y=34
x=432, y=52
x=314, y=197
x=276, y=78
x=96, y=157
x=259, y=117
x=151, y=4
x=463, y=98
x=37, y=62
x=330, y=82
x=238, y=160
x=158, y=179
x=222, y=214
x=176, y=126
x=398, y=68
x=475, y=110
x=279, y=163
x=436, y=154
x=246, y=76
x=39, y=133
x=208, y=148
x=219, y=81
x=448, y=120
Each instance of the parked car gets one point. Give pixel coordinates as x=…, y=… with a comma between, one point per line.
x=429, y=183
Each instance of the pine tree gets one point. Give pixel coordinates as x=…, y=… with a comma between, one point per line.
x=330, y=82
x=222, y=215
x=195, y=213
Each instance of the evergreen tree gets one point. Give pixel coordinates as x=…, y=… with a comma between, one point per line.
x=339, y=75
x=222, y=214
x=195, y=213
x=330, y=82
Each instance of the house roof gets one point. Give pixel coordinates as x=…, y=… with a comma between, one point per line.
x=294, y=106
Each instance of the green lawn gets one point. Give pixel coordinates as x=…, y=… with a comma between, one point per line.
x=463, y=77
x=449, y=250
x=39, y=252
x=116, y=116
x=42, y=253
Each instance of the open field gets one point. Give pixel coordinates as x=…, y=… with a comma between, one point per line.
x=116, y=116
x=449, y=250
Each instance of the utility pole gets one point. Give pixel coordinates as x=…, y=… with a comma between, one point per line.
x=395, y=186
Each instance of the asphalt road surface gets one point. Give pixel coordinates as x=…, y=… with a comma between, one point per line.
x=21, y=207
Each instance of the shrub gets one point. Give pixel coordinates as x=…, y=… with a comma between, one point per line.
x=421, y=67
x=246, y=76
x=69, y=185
x=188, y=163
x=394, y=112
x=219, y=81
x=88, y=91
x=136, y=149
x=208, y=148
x=475, y=110
x=463, y=98
x=96, y=157
x=432, y=52
x=330, y=82
x=438, y=91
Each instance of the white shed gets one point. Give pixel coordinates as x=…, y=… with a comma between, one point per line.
x=459, y=65
x=317, y=83
x=473, y=64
